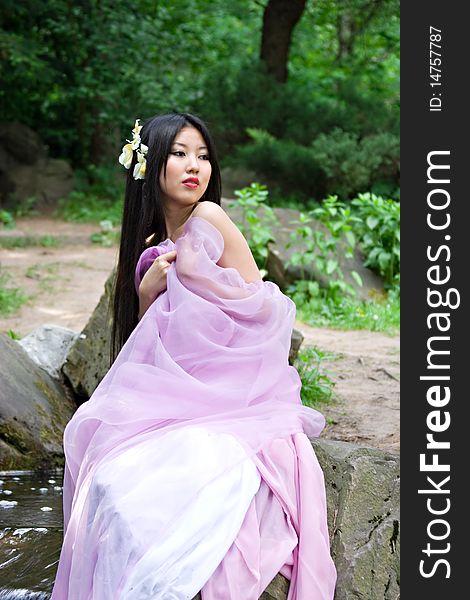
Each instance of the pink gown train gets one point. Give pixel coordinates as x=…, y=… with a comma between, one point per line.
x=190, y=467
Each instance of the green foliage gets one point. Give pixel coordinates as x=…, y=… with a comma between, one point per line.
x=80, y=73
x=13, y=335
x=107, y=236
x=26, y=207
x=11, y=298
x=284, y=163
x=81, y=207
x=25, y=241
x=351, y=164
x=98, y=197
x=257, y=221
x=353, y=89
x=50, y=241
x=378, y=227
x=7, y=219
x=369, y=222
x=346, y=226
x=320, y=248
x=319, y=308
x=335, y=162
x=317, y=387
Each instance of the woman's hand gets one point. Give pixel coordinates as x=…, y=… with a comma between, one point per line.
x=154, y=281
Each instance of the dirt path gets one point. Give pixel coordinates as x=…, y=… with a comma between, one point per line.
x=65, y=283
x=366, y=376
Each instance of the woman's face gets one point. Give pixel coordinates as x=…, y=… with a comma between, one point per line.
x=188, y=169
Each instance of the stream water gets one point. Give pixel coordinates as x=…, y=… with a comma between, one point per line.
x=31, y=530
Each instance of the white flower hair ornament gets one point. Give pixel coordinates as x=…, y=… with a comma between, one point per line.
x=127, y=153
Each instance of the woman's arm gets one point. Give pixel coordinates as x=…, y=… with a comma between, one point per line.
x=236, y=252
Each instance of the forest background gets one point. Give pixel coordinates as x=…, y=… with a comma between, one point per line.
x=305, y=93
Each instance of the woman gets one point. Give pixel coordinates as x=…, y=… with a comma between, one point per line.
x=189, y=468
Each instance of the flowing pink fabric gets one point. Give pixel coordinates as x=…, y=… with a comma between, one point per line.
x=207, y=364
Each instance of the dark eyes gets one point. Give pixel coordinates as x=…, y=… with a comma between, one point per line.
x=181, y=153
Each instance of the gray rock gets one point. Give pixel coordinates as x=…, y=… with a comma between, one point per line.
x=21, y=143
x=34, y=409
x=27, y=171
x=295, y=343
x=48, y=347
x=277, y=589
x=362, y=486
x=88, y=359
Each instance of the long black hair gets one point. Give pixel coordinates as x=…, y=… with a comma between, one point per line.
x=143, y=213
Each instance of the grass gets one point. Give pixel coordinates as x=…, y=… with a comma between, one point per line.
x=11, y=298
x=378, y=314
x=85, y=207
x=46, y=275
x=99, y=196
x=108, y=235
x=317, y=387
x=45, y=241
x=13, y=335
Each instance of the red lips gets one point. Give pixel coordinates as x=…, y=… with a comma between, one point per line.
x=191, y=180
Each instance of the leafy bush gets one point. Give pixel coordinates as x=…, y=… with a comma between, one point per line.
x=107, y=236
x=257, y=221
x=285, y=164
x=320, y=247
x=7, y=219
x=370, y=222
x=351, y=164
x=317, y=387
x=81, y=207
x=98, y=196
x=378, y=228
x=338, y=162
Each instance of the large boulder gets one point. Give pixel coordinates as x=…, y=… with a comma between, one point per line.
x=26, y=171
x=34, y=409
x=89, y=357
x=362, y=491
x=363, y=498
x=48, y=347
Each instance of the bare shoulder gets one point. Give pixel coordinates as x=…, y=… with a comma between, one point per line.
x=236, y=252
x=213, y=213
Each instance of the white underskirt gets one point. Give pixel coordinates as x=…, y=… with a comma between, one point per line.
x=138, y=493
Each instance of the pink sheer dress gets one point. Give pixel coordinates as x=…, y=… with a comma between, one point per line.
x=189, y=469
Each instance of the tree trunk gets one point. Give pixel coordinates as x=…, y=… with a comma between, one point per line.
x=279, y=20
x=346, y=34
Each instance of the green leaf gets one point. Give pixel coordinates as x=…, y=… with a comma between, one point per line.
x=384, y=258
x=357, y=278
x=372, y=222
x=351, y=238
x=331, y=266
